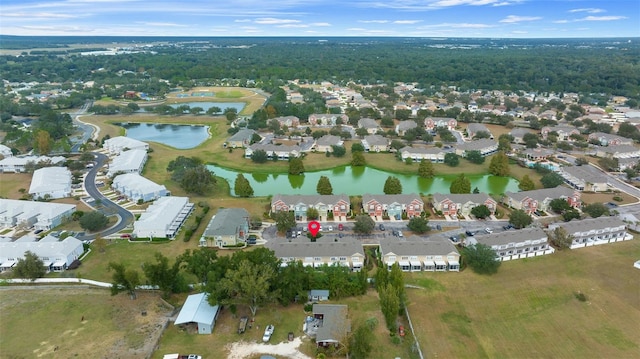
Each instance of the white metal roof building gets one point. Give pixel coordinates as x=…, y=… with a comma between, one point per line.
x=163, y=218
x=128, y=162
x=19, y=164
x=5, y=151
x=136, y=187
x=119, y=144
x=196, y=309
x=40, y=215
x=57, y=255
x=52, y=181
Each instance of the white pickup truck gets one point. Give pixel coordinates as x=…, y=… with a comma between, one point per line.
x=178, y=356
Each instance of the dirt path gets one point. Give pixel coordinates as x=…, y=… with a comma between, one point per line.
x=241, y=350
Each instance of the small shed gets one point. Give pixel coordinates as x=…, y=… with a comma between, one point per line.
x=196, y=309
x=318, y=295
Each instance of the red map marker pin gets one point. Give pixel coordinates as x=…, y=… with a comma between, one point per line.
x=314, y=227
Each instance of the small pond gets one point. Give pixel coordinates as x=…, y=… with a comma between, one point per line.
x=177, y=136
x=358, y=181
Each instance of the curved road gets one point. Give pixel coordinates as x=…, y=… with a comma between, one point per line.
x=125, y=217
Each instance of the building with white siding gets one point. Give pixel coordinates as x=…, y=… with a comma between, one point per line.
x=56, y=254
x=163, y=218
x=39, y=215
x=51, y=182
x=136, y=188
x=128, y=162
x=119, y=144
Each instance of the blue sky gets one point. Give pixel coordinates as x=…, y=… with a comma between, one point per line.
x=421, y=18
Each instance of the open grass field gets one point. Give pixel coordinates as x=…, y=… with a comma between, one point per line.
x=68, y=322
x=529, y=309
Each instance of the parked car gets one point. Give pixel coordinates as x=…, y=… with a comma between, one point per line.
x=330, y=228
x=268, y=332
x=341, y=227
x=507, y=227
x=381, y=227
x=488, y=230
x=394, y=232
x=470, y=233
x=401, y=331
x=400, y=234
x=242, y=325
x=438, y=227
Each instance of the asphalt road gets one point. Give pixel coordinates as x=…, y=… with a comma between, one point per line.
x=125, y=217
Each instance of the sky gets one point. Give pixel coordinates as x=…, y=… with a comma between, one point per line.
x=318, y=18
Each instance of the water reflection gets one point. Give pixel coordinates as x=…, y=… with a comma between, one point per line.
x=361, y=180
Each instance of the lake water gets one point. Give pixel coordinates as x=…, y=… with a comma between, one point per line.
x=358, y=181
x=177, y=136
x=205, y=105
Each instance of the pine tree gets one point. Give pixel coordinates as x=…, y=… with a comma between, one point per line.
x=526, y=184
x=243, y=187
x=460, y=185
x=324, y=186
x=426, y=169
x=499, y=165
x=392, y=185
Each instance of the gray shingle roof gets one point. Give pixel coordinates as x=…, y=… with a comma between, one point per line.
x=311, y=199
x=328, y=140
x=345, y=248
x=462, y=197
x=477, y=144
x=242, y=135
x=542, y=194
x=376, y=140
x=418, y=246
x=367, y=123
x=334, y=323
x=512, y=236
x=589, y=224
x=227, y=222
x=587, y=173
x=391, y=198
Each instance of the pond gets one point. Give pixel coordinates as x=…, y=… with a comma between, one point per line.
x=177, y=136
x=358, y=181
x=205, y=105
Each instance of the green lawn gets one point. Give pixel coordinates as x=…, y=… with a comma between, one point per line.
x=529, y=309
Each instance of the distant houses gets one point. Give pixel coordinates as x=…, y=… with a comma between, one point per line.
x=539, y=199
x=392, y=205
x=336, y=206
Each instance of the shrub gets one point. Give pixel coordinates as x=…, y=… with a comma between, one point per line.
x=581, y=296
x=308, y=307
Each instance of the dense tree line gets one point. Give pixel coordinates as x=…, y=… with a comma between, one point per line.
x=567, y=66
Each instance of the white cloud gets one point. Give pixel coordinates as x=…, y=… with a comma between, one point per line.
x=39, y=15
x=162, y=24
x=407, y=22
x=602, y=18
x=512, y=19
x=373, y=21
x=590, y=10
x=285, y=26
x=275, y=21
x=423, y=5
x=456, y=25
x=320, y=24
x=242, y=20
